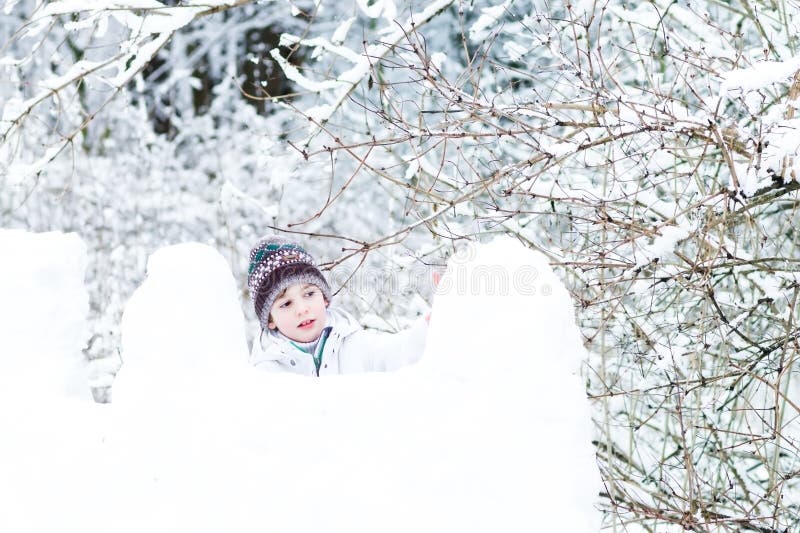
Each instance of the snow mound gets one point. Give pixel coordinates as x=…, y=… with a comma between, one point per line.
x=43, y=309
x=50, y=428
x=500, y=312
x=503, y=338
x=181, y=326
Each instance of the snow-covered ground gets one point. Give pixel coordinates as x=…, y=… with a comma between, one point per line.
x=489, y=432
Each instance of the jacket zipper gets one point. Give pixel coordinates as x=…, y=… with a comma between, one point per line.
x=320, y=349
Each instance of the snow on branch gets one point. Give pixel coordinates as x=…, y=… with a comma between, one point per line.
x=149, y=24
x=346, y=82
x=758, y=76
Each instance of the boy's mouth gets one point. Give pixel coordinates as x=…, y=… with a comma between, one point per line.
x=306, y=323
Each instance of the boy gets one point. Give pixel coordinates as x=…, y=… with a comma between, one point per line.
x=304, y=335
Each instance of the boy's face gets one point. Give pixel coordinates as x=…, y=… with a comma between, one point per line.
x=299, y=312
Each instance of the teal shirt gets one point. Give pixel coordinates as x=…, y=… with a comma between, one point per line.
x=315, y=348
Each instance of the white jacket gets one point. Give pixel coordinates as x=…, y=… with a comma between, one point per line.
x=349, y=349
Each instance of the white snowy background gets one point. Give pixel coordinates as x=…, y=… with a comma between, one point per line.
x=489, y=432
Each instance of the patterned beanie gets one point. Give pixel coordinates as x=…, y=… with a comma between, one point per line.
x=275, y=265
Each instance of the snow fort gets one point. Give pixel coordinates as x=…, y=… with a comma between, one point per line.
x=490, y=431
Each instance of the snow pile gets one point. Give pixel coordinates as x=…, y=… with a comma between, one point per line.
x=179, y=428
x=504, y=345
x=50, y=428
x=489, y=432
x=182, y=327
x=43, y=309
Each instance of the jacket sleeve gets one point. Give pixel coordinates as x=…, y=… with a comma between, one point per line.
x=372, y=351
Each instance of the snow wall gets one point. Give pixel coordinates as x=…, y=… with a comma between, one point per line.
x=489, y=432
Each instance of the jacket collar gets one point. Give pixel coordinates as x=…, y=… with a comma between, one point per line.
x=341, y=323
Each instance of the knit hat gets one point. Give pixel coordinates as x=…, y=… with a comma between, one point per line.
x=276, y=264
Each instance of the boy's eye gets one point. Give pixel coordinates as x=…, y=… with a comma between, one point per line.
x=310, y=293
x=285, y=304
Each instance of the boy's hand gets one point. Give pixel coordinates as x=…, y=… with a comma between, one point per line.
x=436, y=277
